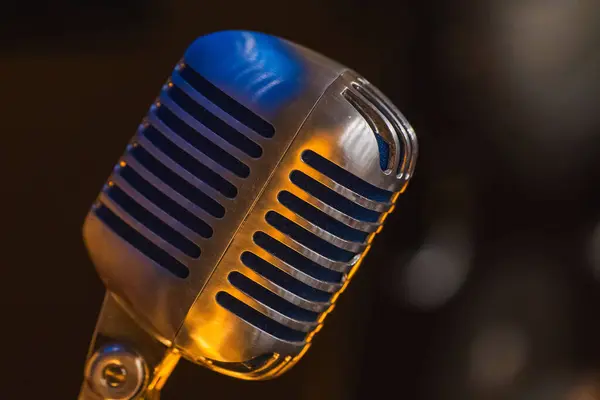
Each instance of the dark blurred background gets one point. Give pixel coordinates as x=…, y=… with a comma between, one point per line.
x=484, y=284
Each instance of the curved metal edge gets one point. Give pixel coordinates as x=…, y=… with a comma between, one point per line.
x=406, y=133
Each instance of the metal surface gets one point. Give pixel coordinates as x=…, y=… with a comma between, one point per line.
x=154, y=294
x=337, y=131
x=115, y=372
x=305, y=98
x=121, y=340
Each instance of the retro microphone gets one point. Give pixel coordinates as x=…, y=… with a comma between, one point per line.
x=238, y=213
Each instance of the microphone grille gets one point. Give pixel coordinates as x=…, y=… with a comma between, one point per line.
x=191, y=153
x=309, y=252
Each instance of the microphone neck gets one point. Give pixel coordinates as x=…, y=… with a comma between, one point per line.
x=115, y=369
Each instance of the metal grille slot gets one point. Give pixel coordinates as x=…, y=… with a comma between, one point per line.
x=221, y=99
x=152, y=222
x=345, y=178
x=282, y=279
x=210, y=149
x=321, y=219
x=384, y=152
x=177, y=183
x=190, y=163
x=295, y=259
x=214, y=123
x=165, y=203
x=308, y=239
x=270, y=299
x=258, y=319
x=140, y=242
x=333, y=199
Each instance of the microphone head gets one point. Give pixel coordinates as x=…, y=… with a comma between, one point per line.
x=246, y=201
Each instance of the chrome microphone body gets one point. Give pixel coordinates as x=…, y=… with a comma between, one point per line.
x=240, y=210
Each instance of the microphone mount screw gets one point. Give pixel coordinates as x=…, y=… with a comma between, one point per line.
x=115, y=375
x=116, y=372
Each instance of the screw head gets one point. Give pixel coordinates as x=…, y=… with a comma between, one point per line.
x=116, y=372
x=115, y=375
